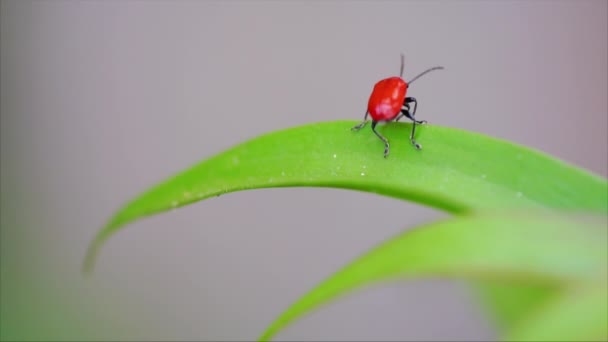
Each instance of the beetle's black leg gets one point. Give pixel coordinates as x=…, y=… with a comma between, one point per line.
x=406, y=107
x=386, y=146
x=362, y=124
x=411, y=116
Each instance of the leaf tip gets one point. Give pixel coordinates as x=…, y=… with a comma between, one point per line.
x=90, y=258
x=88, y=264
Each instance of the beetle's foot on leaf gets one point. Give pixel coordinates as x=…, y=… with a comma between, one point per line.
x=359, y=126
x=386, y=152
x=421, y=122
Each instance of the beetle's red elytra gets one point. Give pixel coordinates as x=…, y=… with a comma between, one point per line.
x=388, y=102
x=386, y=99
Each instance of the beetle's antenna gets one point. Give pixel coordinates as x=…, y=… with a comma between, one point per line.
x=402, y=63
x=424, y=72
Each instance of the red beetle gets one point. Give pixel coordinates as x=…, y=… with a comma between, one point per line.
x=388, y=102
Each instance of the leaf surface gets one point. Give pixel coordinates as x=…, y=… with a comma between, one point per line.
x=456, y=171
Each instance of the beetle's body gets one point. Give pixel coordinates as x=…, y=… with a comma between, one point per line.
x=387, y=98
x=388, y=102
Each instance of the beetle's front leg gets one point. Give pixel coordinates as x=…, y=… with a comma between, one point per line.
x=406, y=112
x=404, y=109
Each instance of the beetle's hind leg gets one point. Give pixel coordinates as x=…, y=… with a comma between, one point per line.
x=386, y=145
x=362, y=124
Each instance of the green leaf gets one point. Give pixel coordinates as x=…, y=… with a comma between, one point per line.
x=519, y=248
x=456, y=171
x=508, y=303
x=580, y=314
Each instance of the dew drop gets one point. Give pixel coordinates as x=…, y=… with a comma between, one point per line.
x=362, y=173
x=282, y=173
x=235, y=160
x=174, y=204
x=519, y=194
x=335, y=156
x=483, y=176
x=186, y=194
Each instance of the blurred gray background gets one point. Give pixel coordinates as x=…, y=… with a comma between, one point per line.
x=100, y=100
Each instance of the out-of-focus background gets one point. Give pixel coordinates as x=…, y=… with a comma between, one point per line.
x=102, y=99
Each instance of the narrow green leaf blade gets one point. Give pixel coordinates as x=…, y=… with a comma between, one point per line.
x=457, y=171
x=518, y=248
